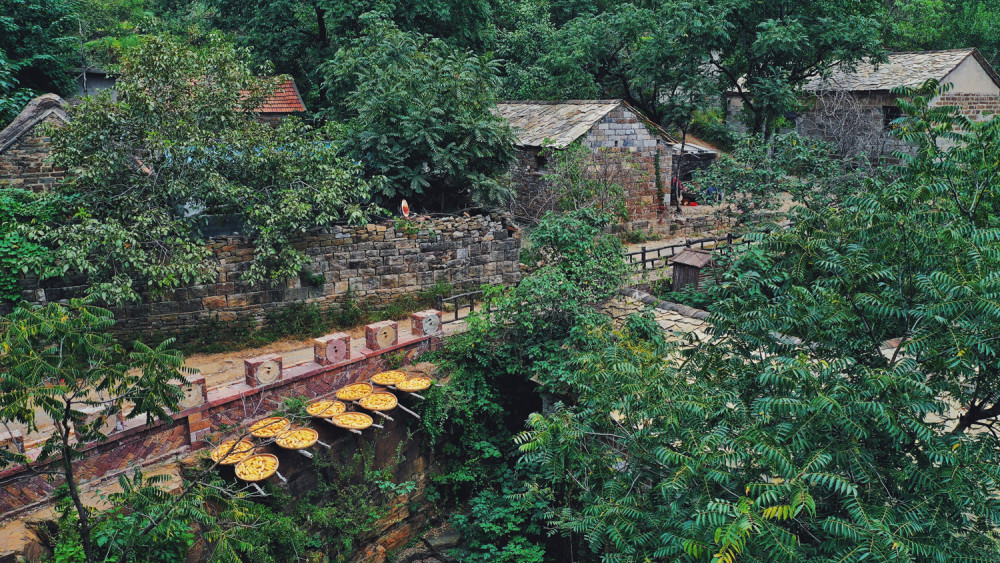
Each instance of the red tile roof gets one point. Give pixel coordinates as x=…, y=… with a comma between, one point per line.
x=285, y=99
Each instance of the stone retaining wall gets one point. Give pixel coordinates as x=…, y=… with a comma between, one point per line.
x=376, y=262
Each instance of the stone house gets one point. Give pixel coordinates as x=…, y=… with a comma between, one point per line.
x=855, y=109
x=609, y=128
x=24, y=148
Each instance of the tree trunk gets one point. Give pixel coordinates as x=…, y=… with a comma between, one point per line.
x=324, y=39
x=74, y=492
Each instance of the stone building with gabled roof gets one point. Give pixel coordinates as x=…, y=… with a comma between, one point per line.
x=606, y=127
x=25, y=145
x=859, y=102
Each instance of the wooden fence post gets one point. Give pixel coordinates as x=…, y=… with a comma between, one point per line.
x=643, y=257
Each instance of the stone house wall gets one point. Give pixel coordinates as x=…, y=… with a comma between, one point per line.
x=621, y=131
x=376, y=262
x=24, y=164
x=624, y=147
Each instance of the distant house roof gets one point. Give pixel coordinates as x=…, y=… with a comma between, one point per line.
x=693, y=257
x=902, y=69
x=34, y=113
x=554, y=124
x=286, y=99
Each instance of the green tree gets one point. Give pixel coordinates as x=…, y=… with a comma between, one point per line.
x=943, y=24
x=298, y=35
x=764, y=51
x=418, y=112
x=39, y=37
x=758, y=176
x=60, y=361
x=182, y=145
x=38, y=52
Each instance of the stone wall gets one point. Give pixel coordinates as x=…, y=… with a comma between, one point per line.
x=376, y=262
x=204, y=412
x=977, y=107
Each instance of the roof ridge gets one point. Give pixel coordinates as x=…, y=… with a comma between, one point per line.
x=33, y=113
x=932, y=51
x=563, y=102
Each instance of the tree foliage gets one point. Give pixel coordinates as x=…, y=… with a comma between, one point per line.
x=58, y=362
x=418, y=112
x=179, y=146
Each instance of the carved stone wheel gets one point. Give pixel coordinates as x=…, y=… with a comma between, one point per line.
x=385, y=337
x=431, y=324
x=268, y=372
x=336, y=351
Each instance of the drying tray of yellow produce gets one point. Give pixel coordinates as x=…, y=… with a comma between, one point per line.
x=391, y=377
x=257, y=467
x=352, y=420
x=326, y=408
x=297, y=439
x=415, y=384
x=379, y=402
x=354, y=391
x=269, y=427
x=239, y=452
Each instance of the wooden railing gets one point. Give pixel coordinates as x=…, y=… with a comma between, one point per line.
x=461, y=301
x=658, y=257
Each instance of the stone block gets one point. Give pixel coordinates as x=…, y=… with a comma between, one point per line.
x=425, y=323
x=262, y=370
x=379, y=336
x=12, y=441
x=332, y=349
x=195, y=392
x=107, y=422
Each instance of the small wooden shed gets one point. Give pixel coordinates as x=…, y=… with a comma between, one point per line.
x=690, y=266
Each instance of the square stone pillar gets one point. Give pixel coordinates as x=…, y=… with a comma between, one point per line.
x=332, y=349
x=426, y=323
x=262, y=370
x=379, y=336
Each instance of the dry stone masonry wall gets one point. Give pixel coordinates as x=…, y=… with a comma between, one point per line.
x=376, y=262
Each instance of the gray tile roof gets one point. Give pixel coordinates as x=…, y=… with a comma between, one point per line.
x=555, y=124
x=902, y=69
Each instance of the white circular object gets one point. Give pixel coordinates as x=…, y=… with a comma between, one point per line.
x=431, y=324
x=268, y=372
x=336, y=351
x=385, y=337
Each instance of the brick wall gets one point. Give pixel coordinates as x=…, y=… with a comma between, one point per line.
x=978, y=107
x=26, y=487
x=24, y=164
x=377, y=262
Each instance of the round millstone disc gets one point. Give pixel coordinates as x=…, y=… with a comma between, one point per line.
x=431, y=324
x=336, y=351
x=268, y=372
x=385, y=337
